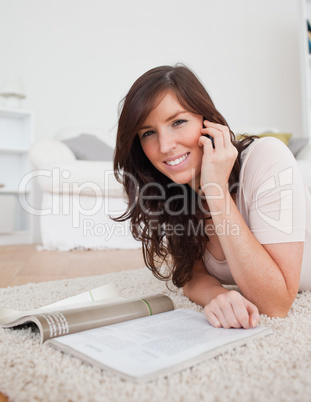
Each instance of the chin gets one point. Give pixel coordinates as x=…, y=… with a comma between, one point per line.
x=182, y=180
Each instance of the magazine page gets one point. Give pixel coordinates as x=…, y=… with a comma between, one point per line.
x=143, y=349
x=103, y=294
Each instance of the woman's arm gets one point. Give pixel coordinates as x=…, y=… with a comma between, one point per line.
x=202, y=287
x=267, y=275
x=222, y=307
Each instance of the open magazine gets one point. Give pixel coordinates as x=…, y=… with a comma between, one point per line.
x=92, y=309
x=138, y=339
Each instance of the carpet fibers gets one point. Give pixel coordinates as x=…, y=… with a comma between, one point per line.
x=273, y=368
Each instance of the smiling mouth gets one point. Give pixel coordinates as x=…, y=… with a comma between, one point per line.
x=177, y=161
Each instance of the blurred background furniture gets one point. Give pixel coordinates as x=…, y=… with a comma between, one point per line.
x=16, y=138
x=301, y=149
x=79, y=193
x=303, y=158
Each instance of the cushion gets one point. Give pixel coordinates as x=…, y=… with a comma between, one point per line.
x=284, y=137
x=89, y=147
x=49, y=151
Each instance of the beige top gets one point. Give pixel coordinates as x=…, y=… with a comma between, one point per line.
x=273, y=201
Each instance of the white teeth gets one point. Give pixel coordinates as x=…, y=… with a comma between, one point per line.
x=177, y=161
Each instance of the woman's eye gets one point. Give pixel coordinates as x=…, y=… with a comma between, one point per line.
x=179, y=122
x=147, y=134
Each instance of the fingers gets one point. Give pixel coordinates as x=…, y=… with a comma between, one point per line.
x=231, y=310
x=253, y=312
x=224, y=313
x=219, y=132
x=212, y=319
x=217, y=136
x=207, y=143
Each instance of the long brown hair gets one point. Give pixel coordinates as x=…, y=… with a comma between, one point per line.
x=151, y=222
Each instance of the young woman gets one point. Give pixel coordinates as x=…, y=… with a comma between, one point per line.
x=214, y=210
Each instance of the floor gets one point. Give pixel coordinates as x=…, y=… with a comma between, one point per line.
x=26, y=263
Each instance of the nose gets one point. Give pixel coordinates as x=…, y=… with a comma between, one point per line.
x=167, y=142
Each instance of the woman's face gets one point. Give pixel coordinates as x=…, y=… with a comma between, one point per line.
x=169, y=137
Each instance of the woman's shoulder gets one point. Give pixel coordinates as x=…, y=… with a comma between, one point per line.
x=264, y=158
x=266, y=145
x=267, y=149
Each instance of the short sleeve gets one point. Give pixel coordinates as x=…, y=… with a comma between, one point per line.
x=272, y=193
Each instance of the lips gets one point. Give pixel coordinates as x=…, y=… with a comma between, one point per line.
x=177, y=160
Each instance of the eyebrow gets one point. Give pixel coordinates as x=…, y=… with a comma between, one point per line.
x=168, y=119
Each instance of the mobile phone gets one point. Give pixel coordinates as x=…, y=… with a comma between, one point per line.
x=211, y=138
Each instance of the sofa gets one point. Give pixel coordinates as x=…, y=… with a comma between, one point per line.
x=80, y=194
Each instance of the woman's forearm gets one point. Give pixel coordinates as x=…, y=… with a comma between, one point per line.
x=257, y=275
x=202, y=287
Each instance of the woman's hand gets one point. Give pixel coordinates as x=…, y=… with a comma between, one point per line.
x=231, y=309
x=217, y=162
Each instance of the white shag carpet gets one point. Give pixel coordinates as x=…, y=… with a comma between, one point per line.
x=274, y=368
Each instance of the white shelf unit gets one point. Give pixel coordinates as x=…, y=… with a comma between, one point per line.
x=305, y=14
x=16, y=137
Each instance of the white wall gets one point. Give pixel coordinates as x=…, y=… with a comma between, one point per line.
x=78, y=58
